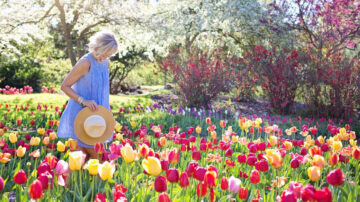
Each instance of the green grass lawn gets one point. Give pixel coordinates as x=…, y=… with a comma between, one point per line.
x=116, y=101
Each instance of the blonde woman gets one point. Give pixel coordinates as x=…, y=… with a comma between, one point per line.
x=87, y=85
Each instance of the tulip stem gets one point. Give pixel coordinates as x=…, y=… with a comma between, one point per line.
x=80, y=185
x=171, y=191
x=93, y=188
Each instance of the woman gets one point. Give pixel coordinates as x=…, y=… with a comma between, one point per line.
x=87, y=85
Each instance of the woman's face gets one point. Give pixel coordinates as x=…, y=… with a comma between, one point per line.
x=104, y=56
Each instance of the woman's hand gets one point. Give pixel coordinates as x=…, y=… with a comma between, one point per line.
x=91, y=104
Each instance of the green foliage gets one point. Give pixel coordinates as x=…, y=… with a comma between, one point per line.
x=54, y=72
x=145, y=74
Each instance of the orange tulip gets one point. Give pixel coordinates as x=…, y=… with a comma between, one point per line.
x=314, y=173
x=318, y=161
x=274, y=157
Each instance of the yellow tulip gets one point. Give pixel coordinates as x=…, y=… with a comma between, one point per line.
x=152, y=166
x=314, y=173
x=234, y=138
x=128, y=153
x=352, y=135
x=72, y=144
x=337, y=146
x=52, y=136
x=198, y=129
x=76, y=160
x=20, y=152
x=119, y=136
x=321, y=139
x=318, y=161
x=92, y=166
x=133, y=124
x=106, y=170
x=288, y=145
x=258, y=121
x=41, y=131
x=342, y=131
x=118, y=127
x=46, y=141
x=273, y=140
x=274, y=157
x=353, y=142
x=13, y=137
x=34, y=141
x=213, y=134
x=60, y=146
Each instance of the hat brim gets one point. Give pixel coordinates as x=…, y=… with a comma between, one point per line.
x=83, y=115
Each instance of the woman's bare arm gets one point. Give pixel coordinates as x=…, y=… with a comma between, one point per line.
x=80, y=69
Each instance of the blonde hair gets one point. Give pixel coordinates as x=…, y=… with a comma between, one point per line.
x=102, y=42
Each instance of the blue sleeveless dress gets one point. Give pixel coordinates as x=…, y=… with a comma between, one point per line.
x=92, y=86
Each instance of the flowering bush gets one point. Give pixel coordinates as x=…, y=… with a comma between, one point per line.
x=278, y=72
x=200, y=76
x=12, y=90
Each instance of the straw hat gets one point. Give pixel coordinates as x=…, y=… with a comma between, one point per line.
x=94, y=127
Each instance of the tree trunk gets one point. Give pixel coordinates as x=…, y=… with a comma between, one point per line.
x=67, y=31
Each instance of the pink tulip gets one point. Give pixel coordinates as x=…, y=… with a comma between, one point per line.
x=62, y=167
x=234, y=184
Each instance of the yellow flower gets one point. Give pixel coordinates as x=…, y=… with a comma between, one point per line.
x=13, y=137
x=152, y=166
x=52, y=136
x=34, y=141
x=41, y=131
x=60, y=146
x=118, y=127
x=288, y=145
x=352, y=135
x=353, y=142
x=321, y=139
x=46, y=141
x=318, y=161
x=1, y=132
x=106, y=170
x=342, y=131
x=20, y=152
x=234, y=138
x=92, y=166
x=162, y=141
x=337, y=146
x=213, y=134
x=119, y=136
x=72, y=144
x=304, y=133
x=128, y=153
x=76, y=160
x=314, y=173
x=258, y=121
x=274, y=157
x=288, y=132
x=198, y=129
x=133, y=124
x=273, y=140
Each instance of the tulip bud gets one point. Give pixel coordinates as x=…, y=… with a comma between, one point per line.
x=243, y=193
x=35, y=189
x=201, y=189
x=224, y=183
x=294, y=163
x=164, y=197
x=2, y=184
x=196, y=155
x=335, y=177
x=160, y=184
x=172, y=175
x=20, y=177
x=234, y=184
x=184, y=180
x=254, y=177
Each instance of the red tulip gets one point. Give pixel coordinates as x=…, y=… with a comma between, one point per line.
x=35, y=189
x=288, y=196
x=183, y=148
x=160, y=184
x=100, y=197
x=229, y=152
x=172, y=175
x=262, y=166
x=164, y=197
x=191, y=168
x=99, y=148
x=164, y=165
x=43, y=167
x=241, y=158
x=209, y=179
x=251, y=160
x=243, y=193
x=2, y=184
x=196, y=155
x=174, y=156
x=201, y=189
x=254, y=177
x=44, y=179
x=323, y=195
x=303, y=151
x=308, y=193
x=20, y=177
x=200, y=173
x=294, y=163
x=184, y=180
x=224, y=183
x=335, y=177
x=212, y=195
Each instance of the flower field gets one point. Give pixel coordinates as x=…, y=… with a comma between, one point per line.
x=161, y=153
